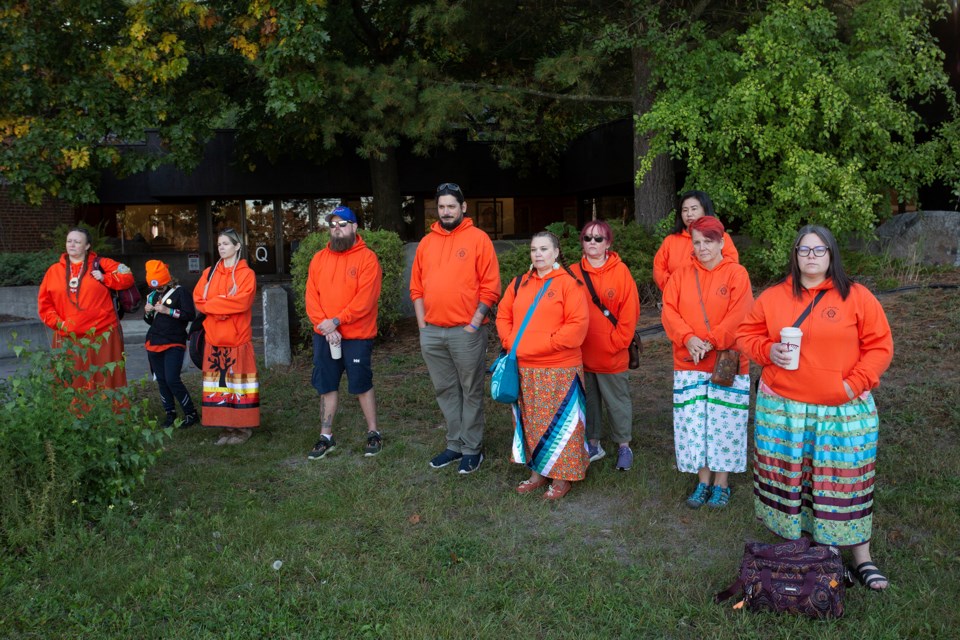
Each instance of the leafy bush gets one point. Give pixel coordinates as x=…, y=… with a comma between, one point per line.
x=389, y=249
x=19, y=269
x=64, y=449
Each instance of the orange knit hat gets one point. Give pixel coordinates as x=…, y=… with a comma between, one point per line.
x=158, y=273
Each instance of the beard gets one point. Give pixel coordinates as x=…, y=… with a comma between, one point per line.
x=343, y=243
x=453, y=224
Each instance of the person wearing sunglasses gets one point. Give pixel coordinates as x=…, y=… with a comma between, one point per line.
x=611, y=329
x=342, y=295
x=454, y=282
x=816, y=426
x=703, y=305
x=231, y=388
x=675, y=251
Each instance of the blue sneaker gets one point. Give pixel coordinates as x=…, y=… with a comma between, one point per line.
x=445, y=458
x=624, y=458
x=595, y=451
x=699, y=496
x=469, y=464
x=719, y=498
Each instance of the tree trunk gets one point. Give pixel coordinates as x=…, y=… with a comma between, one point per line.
x=386, y=192
x=653, y=197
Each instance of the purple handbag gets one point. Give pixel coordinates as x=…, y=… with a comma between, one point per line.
x=792, y=577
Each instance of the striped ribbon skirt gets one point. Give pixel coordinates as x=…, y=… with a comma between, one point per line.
x=710, y=422
x=549, y=423
x=814, y=468
x=231, y=389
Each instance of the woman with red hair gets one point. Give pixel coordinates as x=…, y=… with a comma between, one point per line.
x=703, y=305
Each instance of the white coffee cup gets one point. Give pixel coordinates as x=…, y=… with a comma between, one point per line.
x=335, y=351
x=791, y=336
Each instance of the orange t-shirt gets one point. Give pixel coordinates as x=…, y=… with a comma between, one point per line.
x=557, y=327
x=677, y=251
x=843, y=341
x=727, y=297
x=605, y=348
x=229, y=312
x=453, y=272
x=345, y=285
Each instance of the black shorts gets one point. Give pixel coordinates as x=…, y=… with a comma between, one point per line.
x=355, y=361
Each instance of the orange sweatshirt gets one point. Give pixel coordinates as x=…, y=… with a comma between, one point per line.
x=605, y=349
x=843, y=341
x=677, y=251
x=345, y=285
x=727, y=296
x=229, y=312
x=55, y=303
x=454, y=271
x=557, y=327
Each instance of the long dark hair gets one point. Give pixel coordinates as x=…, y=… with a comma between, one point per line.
x=841, y=282
x=699, y=196
x=555, y=241
x=83, y=269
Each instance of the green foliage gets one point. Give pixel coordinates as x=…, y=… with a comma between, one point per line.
x=64, y=449
x=18, y=269
x=99, y=241
x=389, y=249
x=809, y=116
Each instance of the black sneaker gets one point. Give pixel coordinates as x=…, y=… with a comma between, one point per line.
x=469, y=464
x=324, y=446
x=374, y=443
x=171, y=418
x=445, y=458
x=189, y=420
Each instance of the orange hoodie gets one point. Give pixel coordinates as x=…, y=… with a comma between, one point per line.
x=727, y=296
x=605, y=349
x=454, y=271
x=229, y=313
x=843, y=341
x=55, y=304
x=557, y=327
x=345, y=285
x=677, y=251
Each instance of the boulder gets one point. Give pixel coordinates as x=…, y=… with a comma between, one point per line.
x=922, y=237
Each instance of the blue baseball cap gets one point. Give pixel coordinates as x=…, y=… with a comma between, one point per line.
x=344, y=213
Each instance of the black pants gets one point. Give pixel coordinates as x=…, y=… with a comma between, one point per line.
x=166, y=366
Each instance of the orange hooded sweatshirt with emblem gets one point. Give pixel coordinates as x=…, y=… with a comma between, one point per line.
x=228, y=304
x=727, y=297
x=605, y=348
x=677, y=251
x=91, y=306
x=557, y=327
x=345, y=285
x=843, y=341
x=454, y=271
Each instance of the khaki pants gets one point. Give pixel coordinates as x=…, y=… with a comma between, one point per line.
x=456, y=361
x=613, y=391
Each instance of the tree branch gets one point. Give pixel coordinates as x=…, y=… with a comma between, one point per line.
x=544, y=94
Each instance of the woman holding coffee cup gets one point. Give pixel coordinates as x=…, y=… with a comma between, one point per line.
x=703, y=304
x=816, y=422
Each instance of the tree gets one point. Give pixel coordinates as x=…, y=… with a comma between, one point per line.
x=807, y=116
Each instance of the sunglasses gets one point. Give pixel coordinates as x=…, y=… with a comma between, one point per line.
x=339, y=223
x=597, y=239
x=818, y=252
x=449, y=186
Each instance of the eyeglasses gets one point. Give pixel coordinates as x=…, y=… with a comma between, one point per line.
x=339, y=223
x=449, y=186
x=818, y=252
x=596, y=239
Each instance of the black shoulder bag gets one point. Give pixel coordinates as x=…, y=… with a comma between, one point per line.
x=636, y=345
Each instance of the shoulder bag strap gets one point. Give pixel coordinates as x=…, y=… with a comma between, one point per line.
x=596, y=299
x=803, y=316
x=526, y=318
x=169, y=293
x=702, y=306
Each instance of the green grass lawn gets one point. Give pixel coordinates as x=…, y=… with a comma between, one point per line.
x=387, y=547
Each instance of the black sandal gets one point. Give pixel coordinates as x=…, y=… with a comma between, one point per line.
x=868, y=574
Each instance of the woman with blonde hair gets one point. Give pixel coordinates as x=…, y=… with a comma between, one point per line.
x=231, y=390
